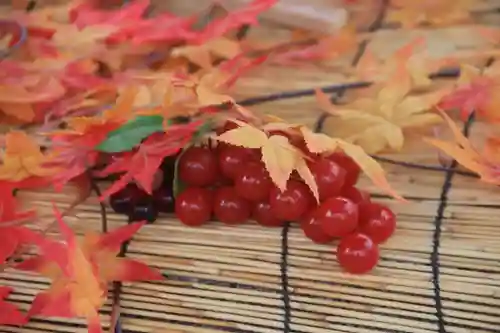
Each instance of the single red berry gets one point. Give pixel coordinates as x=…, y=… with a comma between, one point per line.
x=357, y=253
x=377, y=221
x=233, y=158
x=193, y=206
x=349, y=165
x=252, y=182
x=262, y=214
x=329, y=177
x=356, y=195
x=311, y=227
x=293, y=203
x=229, y=207
x=198, y=166
x=338, y=216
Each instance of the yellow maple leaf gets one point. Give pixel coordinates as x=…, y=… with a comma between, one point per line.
x=418, y=64
x=23, y=158
x=379, y=122
x=280, y=157
x=411, y=14
x=323, y=144
x=203, y=55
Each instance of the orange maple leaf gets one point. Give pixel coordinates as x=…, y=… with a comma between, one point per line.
x=81, y=271
x=485, y=164
x=23, y=158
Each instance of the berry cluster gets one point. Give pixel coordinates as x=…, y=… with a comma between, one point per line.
x=231, y=184
x=138, y=205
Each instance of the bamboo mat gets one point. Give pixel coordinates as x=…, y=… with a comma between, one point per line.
x=440, y=272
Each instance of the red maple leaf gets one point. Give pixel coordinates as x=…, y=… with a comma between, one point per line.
x=74, y=150
x=142, y=164
x=87, y=13
x=475, y=91
x=81, y=272
x=9, y=314
x=234, y=20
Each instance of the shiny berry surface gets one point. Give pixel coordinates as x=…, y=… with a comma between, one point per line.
x=312, y=229
x=357, y=253
x=252, y=182
x=262, y=214
x=193, y=206
x=377, y=221
x=123, y=201
x=356, y=195
x=352, y=168
x=229, y=207
x=143, y=210
x=338, y=216
x=232, y=159
x=163, y=199
x=198, y=166
x=291, y=204
x=329, y=177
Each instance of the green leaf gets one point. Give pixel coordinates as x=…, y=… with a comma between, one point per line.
x=131, y=134
x=178, y=185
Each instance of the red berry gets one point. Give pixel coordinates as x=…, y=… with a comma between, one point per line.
x=357, y=253
x=329, y=177
x=198, y=166
x=291, y=204
x=229, y=207
x=262, y=214
x=252, y=182
x=377, y=221
x=352, y=168
x=311, y=227
x=356, y=195
x=338, y=216
x=193, y=206
x=233, y=158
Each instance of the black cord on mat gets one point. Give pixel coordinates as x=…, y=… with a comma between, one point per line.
x=284, y=278
x=436, y=237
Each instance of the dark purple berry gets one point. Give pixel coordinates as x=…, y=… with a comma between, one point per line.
x=123, y=201
x=143, y=210
x=164, y=199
